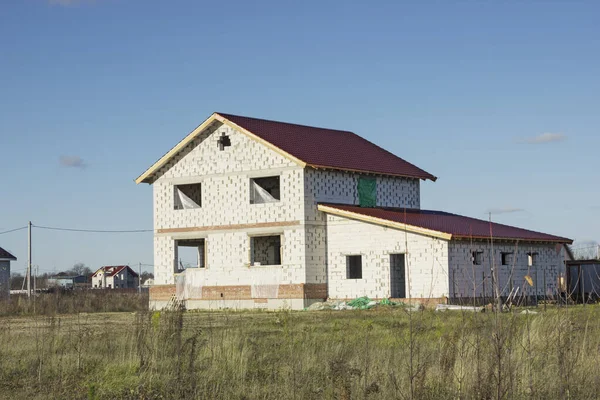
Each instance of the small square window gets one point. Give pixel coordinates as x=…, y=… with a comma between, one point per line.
x=264, y=190
x=507, y=258
x=265, y=250
x=354, y=267
x=477, y=257
x=531, y=259
x=188, y=196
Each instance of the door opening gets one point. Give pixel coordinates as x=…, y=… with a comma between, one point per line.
x=398, y=276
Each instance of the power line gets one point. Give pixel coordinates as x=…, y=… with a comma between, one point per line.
x=13, y=230
x=92, y=230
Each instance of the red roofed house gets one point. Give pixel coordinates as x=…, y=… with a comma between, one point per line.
x=115, y=277
x=256, y=213
x=5, y=259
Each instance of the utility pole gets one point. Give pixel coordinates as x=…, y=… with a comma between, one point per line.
x=29, y=260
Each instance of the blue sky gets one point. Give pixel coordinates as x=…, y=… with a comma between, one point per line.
x=499, y=100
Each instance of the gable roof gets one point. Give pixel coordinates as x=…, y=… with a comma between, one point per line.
x=438, y=223
x=308, y=146
x=111, y=270
x=5, y=255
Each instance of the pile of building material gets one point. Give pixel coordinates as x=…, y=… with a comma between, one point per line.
x=361, y=303
x=450, y=307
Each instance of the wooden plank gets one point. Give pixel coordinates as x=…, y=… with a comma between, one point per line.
x=228, y=227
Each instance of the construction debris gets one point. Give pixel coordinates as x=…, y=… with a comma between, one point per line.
x=362, y=303
x=449, y=307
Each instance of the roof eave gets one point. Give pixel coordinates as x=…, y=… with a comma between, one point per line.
x=146, y=177
x=424, y=177
x=513, y=239
x=383, y=222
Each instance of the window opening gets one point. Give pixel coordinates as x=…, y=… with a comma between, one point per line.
x=477, y=257
x=264, y=190
x=188, y=196
x=354, y=267
x=531, y=259
x=265, y=250
x=191, y=254
x=506, y=258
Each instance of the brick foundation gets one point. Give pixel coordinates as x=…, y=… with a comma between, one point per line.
x=244, y=292
x=162, y=292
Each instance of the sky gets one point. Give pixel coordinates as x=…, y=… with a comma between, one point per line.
x=500, y=100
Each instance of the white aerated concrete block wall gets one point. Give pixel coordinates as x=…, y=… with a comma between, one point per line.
x=341, y=187
x=225, y=179
x=468, y=280
x=426, y=260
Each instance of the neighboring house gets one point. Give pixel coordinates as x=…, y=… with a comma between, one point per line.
x=115, y=277
x=67, y=282
x=148, y=282
x=257, y=213
x=5, y=259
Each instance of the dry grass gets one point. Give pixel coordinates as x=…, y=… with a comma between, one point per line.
x=378, y=354
x=75, y=301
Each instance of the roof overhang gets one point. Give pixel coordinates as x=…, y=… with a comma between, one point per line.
x=430, y=232
x=514, y=239
x=383, y=222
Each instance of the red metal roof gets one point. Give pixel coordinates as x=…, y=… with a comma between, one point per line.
x=329, y=148
x=456, y=225
x=6, y=255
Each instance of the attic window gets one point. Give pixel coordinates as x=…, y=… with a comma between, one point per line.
x=191, y=254
x=188, y=196
x=265, y=250
x=224, y=141
x=264, y=190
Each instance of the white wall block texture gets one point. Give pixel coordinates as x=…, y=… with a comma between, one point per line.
x=426, y=260
x=225, y=179
x=324, y=186
x=468, y=280
x=341, y=187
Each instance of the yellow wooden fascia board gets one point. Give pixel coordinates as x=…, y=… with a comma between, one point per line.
x=184, y=142
x=260, y=140
x=384, y=222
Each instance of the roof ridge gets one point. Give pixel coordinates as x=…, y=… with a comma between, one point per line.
x=285, y=123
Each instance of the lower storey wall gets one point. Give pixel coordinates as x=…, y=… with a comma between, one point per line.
x=468, y=280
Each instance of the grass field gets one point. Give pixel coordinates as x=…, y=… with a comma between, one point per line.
x=385, y=353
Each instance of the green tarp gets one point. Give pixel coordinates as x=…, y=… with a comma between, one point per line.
x=367, y=192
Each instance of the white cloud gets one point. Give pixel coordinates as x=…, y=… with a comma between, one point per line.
x=504, y=210
x=72, y=162
x=545, y=138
